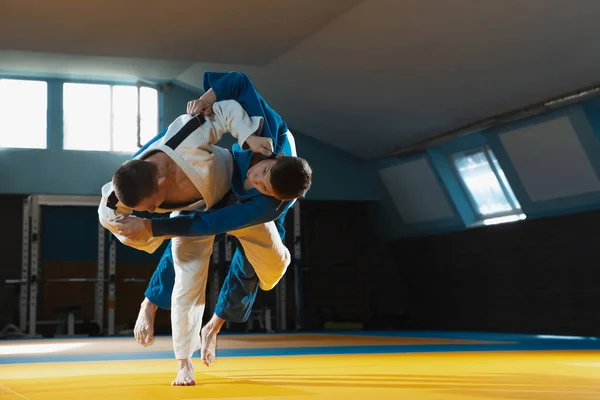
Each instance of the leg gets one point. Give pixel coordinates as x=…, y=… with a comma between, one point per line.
x=191, y=257
x=236, y=298
x=239, y=289
x=262, y=260
x=158, y=295
x=209, y=339
x=265, y=251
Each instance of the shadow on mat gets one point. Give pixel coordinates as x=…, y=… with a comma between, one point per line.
x=496, y=386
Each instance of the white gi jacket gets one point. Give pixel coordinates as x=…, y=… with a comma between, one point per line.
x=190, y=143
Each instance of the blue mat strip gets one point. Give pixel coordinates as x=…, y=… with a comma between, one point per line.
x=530, y=344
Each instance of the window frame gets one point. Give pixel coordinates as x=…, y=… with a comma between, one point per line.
x=138, y=85
x=516, y=211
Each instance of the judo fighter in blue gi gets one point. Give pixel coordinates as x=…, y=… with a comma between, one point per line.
x=266, y=178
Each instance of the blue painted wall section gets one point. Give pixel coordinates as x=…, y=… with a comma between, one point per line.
x=338, y=175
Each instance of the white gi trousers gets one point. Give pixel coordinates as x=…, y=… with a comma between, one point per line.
x=191, y=257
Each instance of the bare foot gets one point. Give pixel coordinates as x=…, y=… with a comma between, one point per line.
x=209, y=345
x=185, y=375
x=144, y=326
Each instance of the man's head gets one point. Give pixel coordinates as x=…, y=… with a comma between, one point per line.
x=138, y=186
x=283, y=177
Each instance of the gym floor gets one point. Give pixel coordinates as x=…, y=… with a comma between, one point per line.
x=366, y=365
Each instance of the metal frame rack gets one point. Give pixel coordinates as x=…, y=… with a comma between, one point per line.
x=31, y=270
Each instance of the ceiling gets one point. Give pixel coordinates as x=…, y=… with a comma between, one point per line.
x=364, y=76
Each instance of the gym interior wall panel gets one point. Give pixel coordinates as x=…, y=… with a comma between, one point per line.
x=10, y=267
x=538, y=276
x=69, y=233
x=334, y=261
x=57, y=172
x=550, y=160
x=416, y=192
x=337, y=175
x=55, y=296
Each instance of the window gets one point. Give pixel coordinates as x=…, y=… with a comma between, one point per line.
x=105, y=117
x=24, y=113
x=484, y=181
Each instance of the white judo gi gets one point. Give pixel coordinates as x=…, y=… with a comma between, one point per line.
x=191, y=144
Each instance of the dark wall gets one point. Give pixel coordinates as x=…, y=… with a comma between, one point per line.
x=347, y=274
x=10, y=248
x=536, y=276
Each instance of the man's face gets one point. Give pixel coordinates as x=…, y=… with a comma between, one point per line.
x=260, y=176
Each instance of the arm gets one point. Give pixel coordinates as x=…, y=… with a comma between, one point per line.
x=110, y=218
x=226, y=85
x=223, y=87
x=229, y=116
x=258, y=210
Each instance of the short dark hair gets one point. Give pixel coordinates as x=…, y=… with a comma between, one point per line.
x=290, y=177
x=133, y=181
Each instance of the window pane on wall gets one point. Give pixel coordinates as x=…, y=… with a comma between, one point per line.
x=86, y=116
x=23, y=112
x=115, y=113
x=125, y=118
x=149, y=113
x=482, y=183
x=504, y=180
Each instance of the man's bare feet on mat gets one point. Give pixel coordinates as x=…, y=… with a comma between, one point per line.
x=144, y=326
x=185, y=375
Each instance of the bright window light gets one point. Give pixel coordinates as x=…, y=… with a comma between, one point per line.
x=86, y=117
x=124, y=111
x=149, y=112
x=505, y=219
x=24, y=113
x=39, y=348
x=104, y=117
x=486, y=185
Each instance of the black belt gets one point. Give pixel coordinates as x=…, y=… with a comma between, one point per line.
x=172, y=143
